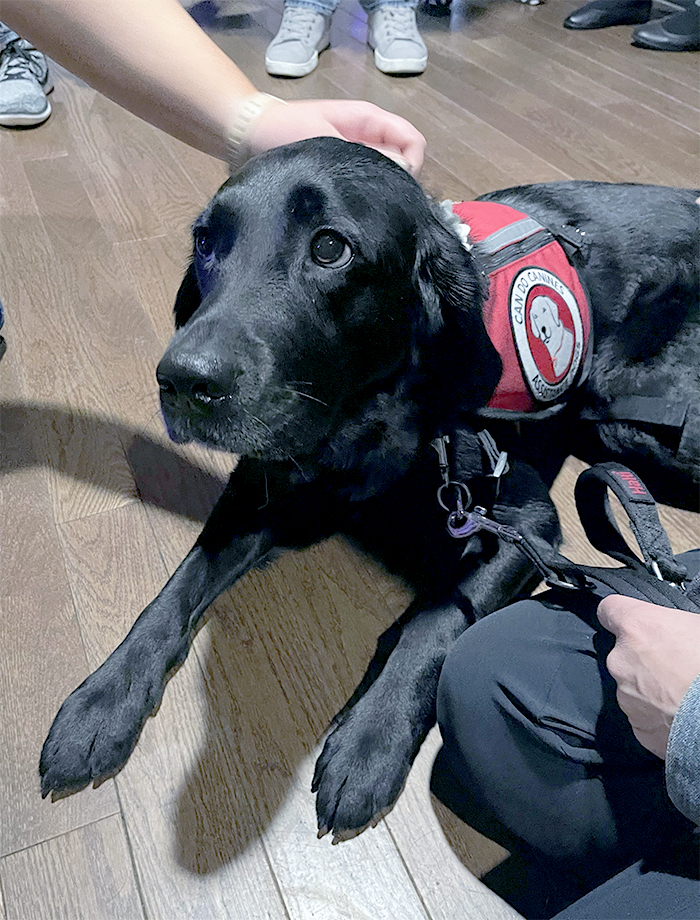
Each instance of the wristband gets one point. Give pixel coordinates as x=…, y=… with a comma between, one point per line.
x=238, y=148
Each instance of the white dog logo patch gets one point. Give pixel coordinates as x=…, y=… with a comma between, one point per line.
x=547, y=332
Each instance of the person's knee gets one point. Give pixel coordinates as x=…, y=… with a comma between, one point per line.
x=502, y=668
x=476, y=667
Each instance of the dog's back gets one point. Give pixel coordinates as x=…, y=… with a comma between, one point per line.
x=638, y=255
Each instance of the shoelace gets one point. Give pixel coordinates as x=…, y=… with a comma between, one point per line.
x=297, y=27
x=20, y=62
x=397, y=22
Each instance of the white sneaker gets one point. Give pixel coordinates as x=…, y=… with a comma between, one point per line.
x=394, y=36
x=25, y=82
x=302, y=35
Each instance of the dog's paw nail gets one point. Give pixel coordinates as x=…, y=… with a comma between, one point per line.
x=381, y=814
x=349, y=833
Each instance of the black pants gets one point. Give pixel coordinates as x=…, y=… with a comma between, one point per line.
x=538, y=756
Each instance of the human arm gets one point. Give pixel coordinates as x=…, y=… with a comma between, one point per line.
x=154, y=60
x=683, y=756
x=656, y=664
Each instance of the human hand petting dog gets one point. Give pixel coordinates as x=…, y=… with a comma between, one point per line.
x=351, y=120
x=654, y=661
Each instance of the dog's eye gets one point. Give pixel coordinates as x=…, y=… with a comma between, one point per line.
x=203, y=243
x=328, y=248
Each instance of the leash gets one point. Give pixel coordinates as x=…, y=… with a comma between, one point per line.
x=657, y=577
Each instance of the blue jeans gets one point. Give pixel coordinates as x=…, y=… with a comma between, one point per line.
x=327, y=7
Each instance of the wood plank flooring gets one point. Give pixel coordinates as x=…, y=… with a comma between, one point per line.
x=212, y=818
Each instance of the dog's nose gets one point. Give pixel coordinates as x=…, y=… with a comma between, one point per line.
x=200, y=377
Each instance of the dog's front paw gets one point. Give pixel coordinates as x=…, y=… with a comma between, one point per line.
x=97, y=727
x=362, y=770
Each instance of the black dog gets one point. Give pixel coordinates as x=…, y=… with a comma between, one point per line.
x=329, y=329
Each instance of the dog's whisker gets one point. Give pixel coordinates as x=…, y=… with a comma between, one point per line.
x=267, y=493
x=306, y=395
x=147, y=424
x=256, y=419
x=298, y=466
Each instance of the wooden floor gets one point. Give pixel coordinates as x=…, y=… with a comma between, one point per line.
x=212, y=817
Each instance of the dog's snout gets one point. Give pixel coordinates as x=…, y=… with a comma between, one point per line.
x=202, y=378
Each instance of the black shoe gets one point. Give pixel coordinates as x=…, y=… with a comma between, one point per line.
x=678, y=32
x=603, y=13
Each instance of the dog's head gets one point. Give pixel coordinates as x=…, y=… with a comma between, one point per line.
x=321, y=279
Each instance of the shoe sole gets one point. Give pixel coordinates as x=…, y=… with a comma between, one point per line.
x=286, y=69
x=26, y=119
x=608, y=25
x=401, y=65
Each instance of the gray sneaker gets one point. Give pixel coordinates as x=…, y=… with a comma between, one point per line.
x=394, y=36
x=25, y=82
x=303, y=35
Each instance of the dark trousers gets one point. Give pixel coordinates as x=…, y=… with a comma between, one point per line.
x=538, y=756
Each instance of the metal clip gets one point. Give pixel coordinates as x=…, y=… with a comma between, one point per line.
x=463, y=497
x=497, y=458
x=501, y=465
x=440, y=445
x=473, y=521
x=466, y=525
x=655, y=570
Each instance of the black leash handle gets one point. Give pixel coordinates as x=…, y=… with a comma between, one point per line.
x=659, y=579
x=593, y=505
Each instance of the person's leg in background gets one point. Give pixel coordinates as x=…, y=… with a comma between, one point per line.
x=601, y=14
x=538, y=756
x=392, y=33
x=678, y=31
x=3, y=343
x=305, y=31
x=25, y=82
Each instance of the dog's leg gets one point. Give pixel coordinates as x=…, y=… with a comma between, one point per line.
x=375, y=738
x=367, y=756
x=99, y=724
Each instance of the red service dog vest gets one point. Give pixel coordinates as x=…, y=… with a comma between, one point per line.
x=536, y=315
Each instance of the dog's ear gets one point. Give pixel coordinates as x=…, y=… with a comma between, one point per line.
x=188, y=297
x=452, y=288
x=446, y=276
